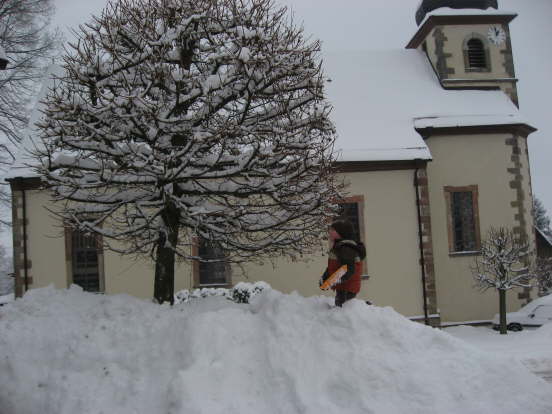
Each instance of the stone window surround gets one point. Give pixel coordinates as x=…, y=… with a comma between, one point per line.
x=448, y=190
x=485, y=43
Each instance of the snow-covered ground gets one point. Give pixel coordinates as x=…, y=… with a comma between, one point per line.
x=67, y=351
x=532, y=347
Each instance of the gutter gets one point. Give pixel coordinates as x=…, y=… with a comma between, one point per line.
x=421, y=243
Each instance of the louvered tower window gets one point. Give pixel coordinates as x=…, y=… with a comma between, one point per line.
x=477, y=57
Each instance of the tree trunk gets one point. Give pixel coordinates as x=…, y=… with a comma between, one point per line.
x=163, y=290
x=502, y=311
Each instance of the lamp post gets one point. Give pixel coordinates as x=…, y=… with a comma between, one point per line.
x=3, y=59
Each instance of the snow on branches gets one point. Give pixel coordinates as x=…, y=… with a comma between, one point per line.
x=504, y=262
x=544, y=275
x=178, y=119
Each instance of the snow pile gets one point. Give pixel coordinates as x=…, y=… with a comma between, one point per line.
x=74, y=352
x=4, y=299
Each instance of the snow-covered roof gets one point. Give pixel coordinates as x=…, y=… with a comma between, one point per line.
x=380, y=97
x=448, y=11
x=545, y=236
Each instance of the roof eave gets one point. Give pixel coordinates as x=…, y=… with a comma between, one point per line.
x=517, y=129
x=25, y=183
x=364, y=166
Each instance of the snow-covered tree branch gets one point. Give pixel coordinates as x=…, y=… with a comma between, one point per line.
x=27, y=44
x=504, y=263
x=178, y=119
x=542, y=221
x=544, y=275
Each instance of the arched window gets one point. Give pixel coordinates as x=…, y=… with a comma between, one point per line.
x=476, y=54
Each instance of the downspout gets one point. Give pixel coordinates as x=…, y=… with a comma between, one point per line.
x=20, y=181
x=421, y=242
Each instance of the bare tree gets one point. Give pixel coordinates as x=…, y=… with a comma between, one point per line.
x=503, y=264
x=544, y=275
x=542, y=221
x=28, y=44
x=179, y=120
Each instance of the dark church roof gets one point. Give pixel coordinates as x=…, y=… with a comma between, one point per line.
x=427, y=6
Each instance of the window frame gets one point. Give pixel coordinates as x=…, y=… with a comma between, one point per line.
x=448, y=191
x=359, y=201
x=69, y=231
x=196, y=275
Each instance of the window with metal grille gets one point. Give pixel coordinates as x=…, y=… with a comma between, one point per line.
x=215, y=272
x=85, y=263
x=463, y=221
x=477, y=56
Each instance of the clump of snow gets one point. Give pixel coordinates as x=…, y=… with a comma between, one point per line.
x=67, y=351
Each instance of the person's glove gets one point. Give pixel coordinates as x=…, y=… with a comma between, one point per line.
x=323, y=278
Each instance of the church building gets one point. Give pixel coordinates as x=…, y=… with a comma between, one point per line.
x=434, y=151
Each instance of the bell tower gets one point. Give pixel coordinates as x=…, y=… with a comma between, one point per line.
x=468, y=44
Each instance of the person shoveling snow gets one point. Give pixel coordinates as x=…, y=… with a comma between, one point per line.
x=344, y=270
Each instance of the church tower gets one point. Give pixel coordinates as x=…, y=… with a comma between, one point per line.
x=468, y=44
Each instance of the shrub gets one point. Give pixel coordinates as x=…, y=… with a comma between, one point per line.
x=241, y=293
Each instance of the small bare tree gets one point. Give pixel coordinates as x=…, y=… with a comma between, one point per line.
x=28, y=44
x=544, y=275
x=184, y=119
x=503, y=264
x=542, y=221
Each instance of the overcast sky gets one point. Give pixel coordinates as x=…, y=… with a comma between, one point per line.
x=385, y=24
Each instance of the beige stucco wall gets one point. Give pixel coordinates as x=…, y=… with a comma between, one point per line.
x=46, y=243
x=390, y=227
x=46, y=251
x=456, y=35
x=463, y=160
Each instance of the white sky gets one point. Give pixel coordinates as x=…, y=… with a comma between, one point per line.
x=383, y=24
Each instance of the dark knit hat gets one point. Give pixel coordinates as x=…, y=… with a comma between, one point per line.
x=344, y=228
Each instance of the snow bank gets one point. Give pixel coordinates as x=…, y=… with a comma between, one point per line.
x=4, y=299
x=74, y=352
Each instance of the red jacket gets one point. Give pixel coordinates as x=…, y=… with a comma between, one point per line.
x=351, y=254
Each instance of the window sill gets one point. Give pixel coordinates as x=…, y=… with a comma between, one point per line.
x=214, y=286
x=476, y=70
x=460, y=254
